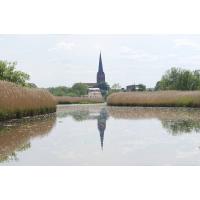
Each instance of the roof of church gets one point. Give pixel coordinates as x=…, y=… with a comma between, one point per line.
x=91, y=84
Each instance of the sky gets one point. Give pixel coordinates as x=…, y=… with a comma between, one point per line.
x=54, y=60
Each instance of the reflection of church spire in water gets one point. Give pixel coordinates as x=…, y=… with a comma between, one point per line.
x=102, y=124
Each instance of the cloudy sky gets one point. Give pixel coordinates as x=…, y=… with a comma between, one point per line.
x=54, y=60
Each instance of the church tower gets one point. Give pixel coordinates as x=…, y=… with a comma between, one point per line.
x=100, y=73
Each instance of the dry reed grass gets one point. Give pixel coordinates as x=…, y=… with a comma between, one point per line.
x=157, y=98
x=17, y=101
x=77, y=100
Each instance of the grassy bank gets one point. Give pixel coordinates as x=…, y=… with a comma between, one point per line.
x=77, y=100
x=17, y=101
x=156, y=99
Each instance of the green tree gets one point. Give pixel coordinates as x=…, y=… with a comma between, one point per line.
x=9, y=73
x=179, y=79
x=80, y=89
x=141, y=87
x=104, y=88
x=60, y=91
x=116, y=86
x=31, y=85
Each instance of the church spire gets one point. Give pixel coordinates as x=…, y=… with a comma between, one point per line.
x=100, y=64
x=100, y=73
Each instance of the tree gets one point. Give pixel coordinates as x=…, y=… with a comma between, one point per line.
x=60, y=91
x=9, y=73
x=179, y=79
x=80, y=89
x=141, y=87
x=104, y=88
x=116, y=86
x=31, y=85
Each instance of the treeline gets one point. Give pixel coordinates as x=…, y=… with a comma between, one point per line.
x=179, y=79
x=77, y=90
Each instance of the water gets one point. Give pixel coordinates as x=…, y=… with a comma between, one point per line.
x=100, y=135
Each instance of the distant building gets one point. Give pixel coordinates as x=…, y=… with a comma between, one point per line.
x=130, y=88
x=139, y=87
x=94, y=93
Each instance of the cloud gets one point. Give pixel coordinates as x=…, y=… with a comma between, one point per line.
x=138, y=55
x=63, y=45
x=193, y=60
x=186, y=43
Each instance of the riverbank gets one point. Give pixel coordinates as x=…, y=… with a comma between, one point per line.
x=77, y=100
x=17, y=102
x=156, y=99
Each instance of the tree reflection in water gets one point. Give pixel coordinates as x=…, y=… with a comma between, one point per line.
x=181, y=126
x=174, y=120
x=15, y=137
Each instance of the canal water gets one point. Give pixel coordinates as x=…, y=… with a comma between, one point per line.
x=102, y=135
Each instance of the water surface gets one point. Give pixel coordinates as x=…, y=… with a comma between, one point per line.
x=101, y=135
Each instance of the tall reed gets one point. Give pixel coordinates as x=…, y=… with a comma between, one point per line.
x=157, y=98
x=17, y=101
x=77, y=100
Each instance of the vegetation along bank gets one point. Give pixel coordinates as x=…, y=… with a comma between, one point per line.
x=77, y=100
x=156, y=98
x=17, y=101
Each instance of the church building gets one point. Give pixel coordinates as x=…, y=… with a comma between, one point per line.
x=100, y=75
x=93, y=89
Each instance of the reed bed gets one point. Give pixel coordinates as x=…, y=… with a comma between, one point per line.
x=77, y=100
x=17, y=101
x=156, y=99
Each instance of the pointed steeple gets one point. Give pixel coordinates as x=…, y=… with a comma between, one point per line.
x=100, y=64
x=100, y=73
